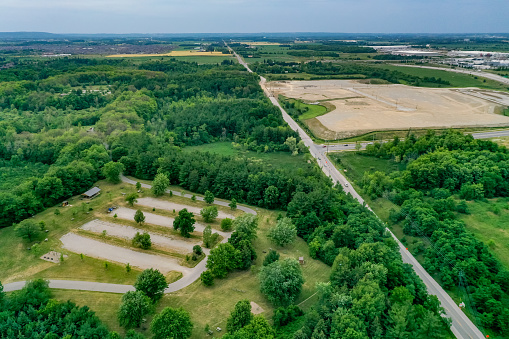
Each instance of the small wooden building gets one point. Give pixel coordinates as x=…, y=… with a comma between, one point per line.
x=301, y=260
x=91, y=193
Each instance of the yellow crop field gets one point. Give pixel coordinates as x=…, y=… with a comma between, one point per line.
x=172, y=53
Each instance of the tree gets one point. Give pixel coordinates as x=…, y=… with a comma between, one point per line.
x=138, y=185
x=291, y=142
x=207, y=237
x=239, y=317
x=139, y=217
x=152, y=283
x=184, y=222
x=197, y=250
x=209, y=213
x=226, y=224
x=281, y=281
x=160, y=184
x=132, y=334
x=247, y=225
x=256, y=329
x=171, y=323
x=209, y=197
x=207, y=278
x=233, y=204
x=358, y=146
x=112, y=171
x=270, y=258
x=246, y=254
x=222, y=260
x=142, y=241
x=135, y=305
x=2, y=294
x=271, y=197
x=283, y=233
x=27, y=229
x=131, y=199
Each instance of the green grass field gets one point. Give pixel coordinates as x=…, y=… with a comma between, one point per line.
x=313, y=111
x=456, y=79
x=489, y=222
x=357, y=163
x=275, y=159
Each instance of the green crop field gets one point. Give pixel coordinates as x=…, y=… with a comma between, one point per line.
x=456, y=79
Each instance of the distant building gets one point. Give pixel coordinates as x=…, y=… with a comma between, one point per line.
x=415, y=53
x=91, y=193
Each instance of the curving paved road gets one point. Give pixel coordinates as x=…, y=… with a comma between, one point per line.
x=461, y=326
x=185, y=281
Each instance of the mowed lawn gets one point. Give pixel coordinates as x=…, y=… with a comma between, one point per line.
x=19, y=263
x=489, y=222
x=212, y=305
x=456, y=79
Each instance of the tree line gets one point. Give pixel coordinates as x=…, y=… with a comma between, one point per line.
x=442, y=172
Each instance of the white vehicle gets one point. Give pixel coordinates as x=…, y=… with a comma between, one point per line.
x=346, y=185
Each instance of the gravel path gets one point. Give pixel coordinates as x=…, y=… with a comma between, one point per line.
x=189, y=196
x=98, y=249
x=159, y=220
x=178, y=244
x=170, y=206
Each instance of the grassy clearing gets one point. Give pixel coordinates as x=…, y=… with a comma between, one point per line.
x=275, y=159
x=18, y=263
x=489, y=222
x=456, y=79
x=89, y=269
x=310, y=111
x=212, y=305
x=356, y=164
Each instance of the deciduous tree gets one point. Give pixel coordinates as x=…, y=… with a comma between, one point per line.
x=152, y=283
x=171, y=323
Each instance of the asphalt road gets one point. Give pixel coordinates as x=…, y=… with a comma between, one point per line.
x=461, y=326
x=187, y=280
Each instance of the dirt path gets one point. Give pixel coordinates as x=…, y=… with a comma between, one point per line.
x=170, y=206
x=178, y=244
x=98, y=249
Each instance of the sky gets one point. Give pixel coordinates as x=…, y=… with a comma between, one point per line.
x=252, y=16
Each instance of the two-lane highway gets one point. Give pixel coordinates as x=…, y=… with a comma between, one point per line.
x=461, y=326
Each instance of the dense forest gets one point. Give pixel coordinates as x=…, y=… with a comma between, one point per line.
x=74, y=115
x=346, y=70
x=442, y=171
x=67, y=124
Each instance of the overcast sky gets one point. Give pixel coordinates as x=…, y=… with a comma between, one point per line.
x=248, y=16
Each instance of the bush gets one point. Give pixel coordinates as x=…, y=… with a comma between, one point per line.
x=271, y=257
x=209, y=213
x=226, y=224
x=197, y=249
x=142, y=241
x=207, y=278
x=134, y=306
